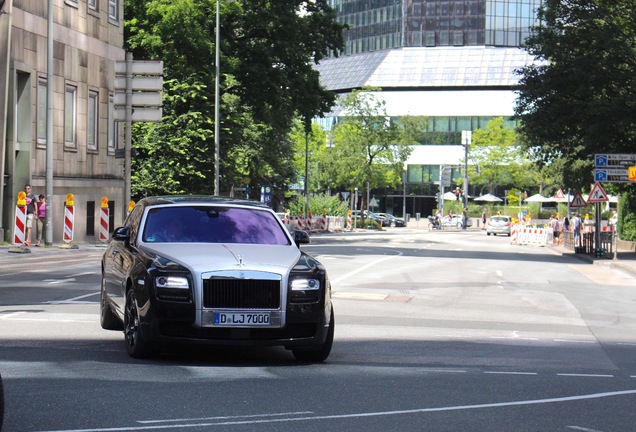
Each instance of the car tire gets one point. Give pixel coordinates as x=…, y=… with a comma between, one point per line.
x=487, y=233
x=320, y=353
x=107, y=319
x=392, y=224
x=135, y=344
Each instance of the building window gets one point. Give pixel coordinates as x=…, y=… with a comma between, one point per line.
x=92, y=5
x=71, y=2
x=112, y=126
x=70, y=115
x=113, y=10
x=41, y=112
x=90, y=218
x=93, y=120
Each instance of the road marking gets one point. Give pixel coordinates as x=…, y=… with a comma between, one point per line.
x=11, y=315
x=585, y=375
x=357, y=296
x=583, y=429
x=58, y=281
x=364, y=267
x=225, y=417
x=510, y=373
x=74, y=300
x=256, y=421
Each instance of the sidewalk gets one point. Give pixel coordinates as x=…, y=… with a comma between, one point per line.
x=625, y=258
x=50, y=250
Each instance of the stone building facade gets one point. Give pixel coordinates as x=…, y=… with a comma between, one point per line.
x=87, y=40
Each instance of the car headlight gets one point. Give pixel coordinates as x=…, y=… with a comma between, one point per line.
x=173, y=288
x=176, y=282
x=304, y=290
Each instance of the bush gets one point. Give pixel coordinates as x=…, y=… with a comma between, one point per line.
x=317, y=203
x=627, y=216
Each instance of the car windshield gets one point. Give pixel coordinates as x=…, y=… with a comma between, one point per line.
x=212, y=224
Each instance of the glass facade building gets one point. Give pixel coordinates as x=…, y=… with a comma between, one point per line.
x=384, y=24
x=454, y=62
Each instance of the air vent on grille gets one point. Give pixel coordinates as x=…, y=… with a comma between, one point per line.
x=241, y=293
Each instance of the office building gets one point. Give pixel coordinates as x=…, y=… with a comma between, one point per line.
x=87, y=39
x=453, y=61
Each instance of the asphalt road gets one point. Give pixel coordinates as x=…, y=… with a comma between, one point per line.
x=434, y=331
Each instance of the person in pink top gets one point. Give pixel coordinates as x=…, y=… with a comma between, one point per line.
x=41, y=218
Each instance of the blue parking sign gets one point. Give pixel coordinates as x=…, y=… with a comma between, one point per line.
x=600, y=175
x=600, y=160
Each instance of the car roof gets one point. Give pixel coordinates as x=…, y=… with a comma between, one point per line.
x=200, y=199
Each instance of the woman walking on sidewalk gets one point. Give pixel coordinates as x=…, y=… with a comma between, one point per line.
x=41, y=218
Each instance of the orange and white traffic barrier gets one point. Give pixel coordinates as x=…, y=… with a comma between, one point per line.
x=103, y=220
x=349, y=221
x=20, y=219
x=323, y=222
x=530, y=236
x=514, y=234
x=69, y=219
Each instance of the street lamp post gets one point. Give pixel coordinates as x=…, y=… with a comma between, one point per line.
x=467, y=137
x=217, y=74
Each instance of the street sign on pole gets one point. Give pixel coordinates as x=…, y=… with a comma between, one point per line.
x=578, y=201
x=614, y=160
x=598, y=194
x=611, y=175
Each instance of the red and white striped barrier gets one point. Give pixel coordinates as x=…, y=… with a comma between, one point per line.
x=530, y=236
x=69, y=224
x=349, y=221
x=20, y=225
x=323, y=223
x=103, y=224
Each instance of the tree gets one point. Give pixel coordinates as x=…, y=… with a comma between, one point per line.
x=580, y=97
x=267, y=50
x=500, y=159
x=366, y=149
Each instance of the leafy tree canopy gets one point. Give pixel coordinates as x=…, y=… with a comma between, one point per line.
x=580, y=97
x=267, y=49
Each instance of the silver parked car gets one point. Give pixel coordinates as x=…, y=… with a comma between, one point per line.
x=499, y=225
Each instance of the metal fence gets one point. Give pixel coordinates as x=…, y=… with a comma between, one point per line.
x=586, y=243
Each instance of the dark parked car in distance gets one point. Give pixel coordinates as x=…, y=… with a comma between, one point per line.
x=390, y=220
x=213, y=270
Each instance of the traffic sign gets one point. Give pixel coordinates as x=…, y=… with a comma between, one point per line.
x=614, y=159
x=597, y=195
x=559, y=194
x=631, y=173
x=611, y=175
x=578, y=201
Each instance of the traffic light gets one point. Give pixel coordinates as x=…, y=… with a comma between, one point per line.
x=457, y=193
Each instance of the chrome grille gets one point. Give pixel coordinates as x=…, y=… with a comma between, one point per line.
x=232, y=293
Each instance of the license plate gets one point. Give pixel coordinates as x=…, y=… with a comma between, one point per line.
x=242, y=319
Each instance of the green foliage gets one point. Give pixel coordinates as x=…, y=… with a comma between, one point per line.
x=580, y=97
x=317, y=203
x=499, y=158
x=365, y=149
x=627, y=216
x=267, y=49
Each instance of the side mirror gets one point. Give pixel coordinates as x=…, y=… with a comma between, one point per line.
x=301, y=237
x=121, y=234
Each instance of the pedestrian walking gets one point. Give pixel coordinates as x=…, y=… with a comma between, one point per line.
x=31, y=213
x=41, y=218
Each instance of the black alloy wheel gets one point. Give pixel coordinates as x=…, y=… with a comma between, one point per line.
x=135, y=345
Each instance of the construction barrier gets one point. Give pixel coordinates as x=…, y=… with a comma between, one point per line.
x=524, y=235
x=321, y=223
x=20, y=224
x=104, y=220
x=69, y=224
